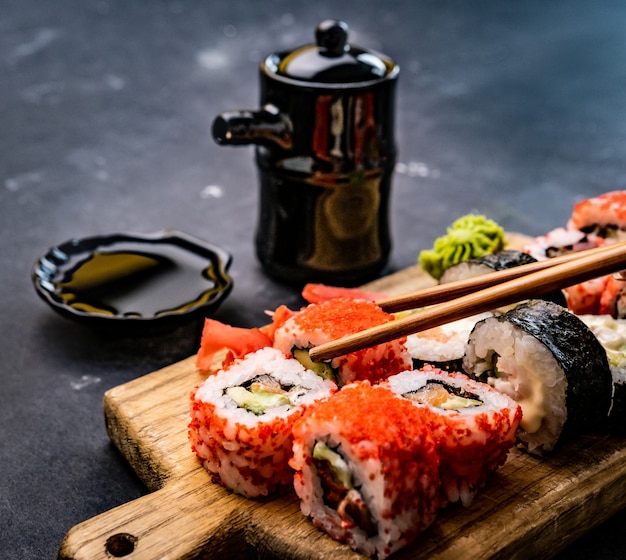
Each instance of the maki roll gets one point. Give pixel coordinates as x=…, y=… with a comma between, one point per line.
x=327, y=321
x=241, y=420
x=442, y=346
x=367, y=472
x=473, y=424
x=494, y=262
x=550, y=362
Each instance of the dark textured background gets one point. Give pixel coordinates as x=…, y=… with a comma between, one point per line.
x=512, y=109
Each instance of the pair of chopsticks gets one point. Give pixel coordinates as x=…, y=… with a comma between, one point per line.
x=464, y=298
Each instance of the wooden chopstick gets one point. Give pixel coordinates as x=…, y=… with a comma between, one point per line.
x=595, y=263
x=458, y=288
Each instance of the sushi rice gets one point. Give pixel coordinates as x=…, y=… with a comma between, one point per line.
x=443, y=346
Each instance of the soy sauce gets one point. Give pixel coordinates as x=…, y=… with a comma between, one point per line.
x=127, y=280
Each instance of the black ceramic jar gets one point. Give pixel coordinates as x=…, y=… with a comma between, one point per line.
x=325, y=152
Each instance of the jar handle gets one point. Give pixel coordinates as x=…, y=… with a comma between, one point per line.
x=267, y=126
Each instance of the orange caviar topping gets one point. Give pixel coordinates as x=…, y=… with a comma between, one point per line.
x=341, y=316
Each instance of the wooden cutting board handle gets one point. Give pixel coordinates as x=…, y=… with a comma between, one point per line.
x=182, y=520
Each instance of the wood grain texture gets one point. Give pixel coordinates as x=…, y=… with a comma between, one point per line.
x=530, y=508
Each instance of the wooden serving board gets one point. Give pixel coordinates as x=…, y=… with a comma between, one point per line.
x=530, y=508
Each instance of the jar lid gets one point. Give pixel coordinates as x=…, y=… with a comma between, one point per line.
x=332, y=60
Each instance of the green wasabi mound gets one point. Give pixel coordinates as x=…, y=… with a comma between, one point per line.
x=470, y=237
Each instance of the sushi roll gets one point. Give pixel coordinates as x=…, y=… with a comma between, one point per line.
x=493, y=262
x=241, y=420
x=560, y=241
x=594, y=222
x=602, y=219
x=442, y=346
x=367, y=472
x=550, y=362
x=580, y=298
x=327, y=321
x=507, y=258
x=603, y=216
x=585, y=298
x=473, y=424
x=611, y=333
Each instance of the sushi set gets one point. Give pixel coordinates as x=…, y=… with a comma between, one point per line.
x=530, y=505
x=489, y=425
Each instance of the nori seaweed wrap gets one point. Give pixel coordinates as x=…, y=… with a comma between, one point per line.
x=551, y=363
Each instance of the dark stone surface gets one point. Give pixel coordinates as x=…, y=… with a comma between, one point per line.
x=512, y=109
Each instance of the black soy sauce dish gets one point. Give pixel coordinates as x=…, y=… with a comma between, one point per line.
x=134, y=283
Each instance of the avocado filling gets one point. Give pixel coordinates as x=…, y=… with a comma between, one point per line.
x=262, y=393
x=339, y=490
x=322, y=369
x=441, y=395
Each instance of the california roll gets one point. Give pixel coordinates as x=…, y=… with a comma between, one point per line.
x=241, y=420
x=367, y=472
x=474, y=426
x=324, y=322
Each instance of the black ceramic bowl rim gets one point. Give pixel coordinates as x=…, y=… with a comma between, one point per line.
x=50, y=268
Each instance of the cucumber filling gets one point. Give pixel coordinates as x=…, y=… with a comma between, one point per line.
x=339, y=492
x=323, y=369
x=444, y=396
x=262, y=393
x=257, y=402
